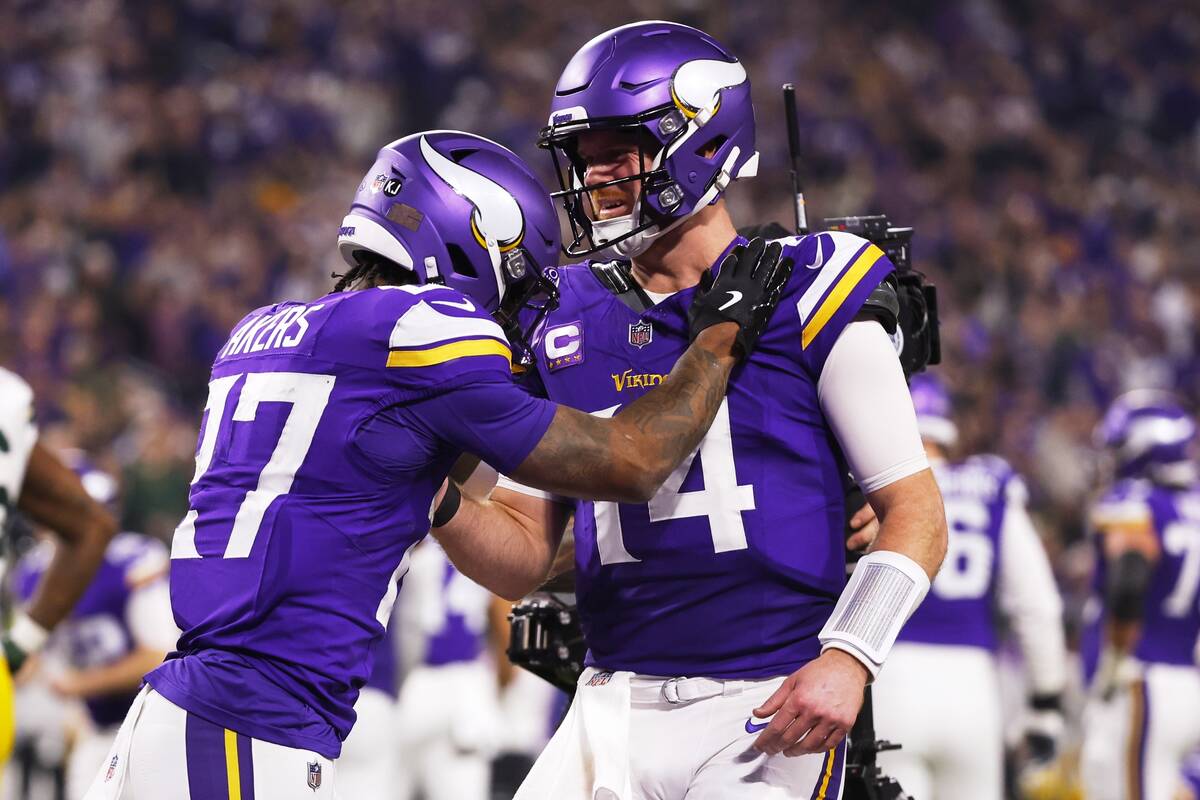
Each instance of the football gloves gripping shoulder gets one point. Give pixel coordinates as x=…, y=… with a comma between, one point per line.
x=745, y=291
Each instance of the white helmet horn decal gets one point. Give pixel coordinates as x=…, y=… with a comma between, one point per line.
x=696, y=84
x=497, y=214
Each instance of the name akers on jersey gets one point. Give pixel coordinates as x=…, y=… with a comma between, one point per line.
x=283, y=329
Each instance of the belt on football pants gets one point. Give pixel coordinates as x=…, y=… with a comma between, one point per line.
x=680, y=691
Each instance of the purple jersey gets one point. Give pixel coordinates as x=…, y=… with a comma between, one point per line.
x=960, y=608
x=1171, y=622
x=733, y=567
x=98, y=631
x=328, y=430
x=383, y=667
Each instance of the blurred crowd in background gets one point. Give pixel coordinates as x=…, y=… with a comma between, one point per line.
x=164, y=168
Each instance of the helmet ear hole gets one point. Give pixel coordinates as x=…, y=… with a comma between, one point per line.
x=709, y=149
x=462, y=265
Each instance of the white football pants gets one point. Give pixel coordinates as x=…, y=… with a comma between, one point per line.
x=624, y=740
x=941, y=703
x=448, y=718
x=367, y=765
x=162, y=752
x=87, y=754
x=1135, y=744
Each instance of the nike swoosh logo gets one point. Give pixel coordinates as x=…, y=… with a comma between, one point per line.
x=753, y=727
x=820, y=262
x=734, y=297
x=465, y=305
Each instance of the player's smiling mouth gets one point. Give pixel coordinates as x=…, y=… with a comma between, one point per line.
x=611, y=204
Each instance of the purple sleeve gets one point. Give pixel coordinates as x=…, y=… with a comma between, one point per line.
x=494, y=419
x=840, y=303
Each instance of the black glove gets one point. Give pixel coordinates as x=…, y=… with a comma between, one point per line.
x=746, y=291
x=1044, y=727
x=13, y=654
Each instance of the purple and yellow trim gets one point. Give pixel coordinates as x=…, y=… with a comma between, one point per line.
x=440, y=354
x=838, y=294
x=829, y=781
x=220, y=765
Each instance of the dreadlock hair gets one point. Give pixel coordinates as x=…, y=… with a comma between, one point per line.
x=373, y=270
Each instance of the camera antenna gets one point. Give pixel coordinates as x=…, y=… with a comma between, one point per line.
x=793, y=129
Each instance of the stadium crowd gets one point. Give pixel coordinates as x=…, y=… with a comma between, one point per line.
x=166, y=167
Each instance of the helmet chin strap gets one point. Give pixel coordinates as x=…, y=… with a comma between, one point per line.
x=638, y=243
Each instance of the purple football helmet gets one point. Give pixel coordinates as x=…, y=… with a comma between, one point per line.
x=935, y=418
x=99, y=485
x=1149, y=434
x=688, y=97
x=461, y=210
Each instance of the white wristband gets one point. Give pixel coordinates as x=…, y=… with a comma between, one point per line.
x=883, y=592
x=27, y=634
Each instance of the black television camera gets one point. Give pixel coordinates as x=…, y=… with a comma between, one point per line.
x=546, y=637
x=919, y=343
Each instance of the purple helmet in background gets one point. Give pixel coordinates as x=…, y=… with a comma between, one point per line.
x=687, y=94
x=1149, y=434
x=935, y=418
x=464, y=211
x=100, y=485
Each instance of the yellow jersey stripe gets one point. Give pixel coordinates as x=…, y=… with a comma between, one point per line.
x=830, y=757
x=840, y=291
x=448, y=352
x=231, y=766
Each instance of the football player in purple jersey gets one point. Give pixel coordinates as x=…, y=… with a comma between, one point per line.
x=329, y=430
x=727, y=655
x=1143, y=713
x=120, y=629
x=940, y=695
x=34, y=481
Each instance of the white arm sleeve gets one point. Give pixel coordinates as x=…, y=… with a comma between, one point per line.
x=148, y=614
x=1027, y=594
x=505, y=482
x=864, y=396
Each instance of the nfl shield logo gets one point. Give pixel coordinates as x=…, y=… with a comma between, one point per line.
x=314, y=775
x=640, y=334
x=112, y=769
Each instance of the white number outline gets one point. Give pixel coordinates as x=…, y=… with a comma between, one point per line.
x=722, y=499
x=308, y=395
x=1182, y=538
x=968, y=543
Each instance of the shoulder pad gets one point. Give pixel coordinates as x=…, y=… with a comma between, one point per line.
x=883, y=304
x=1125, y=501
x=427, y=315
x=613, y=274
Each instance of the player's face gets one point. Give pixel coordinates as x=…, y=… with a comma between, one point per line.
x=608, y=156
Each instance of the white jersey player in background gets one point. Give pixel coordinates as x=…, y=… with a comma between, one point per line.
x=449, y=709
x=940, y=694
x=368, y=768
x=35, y=482
x=120, y=629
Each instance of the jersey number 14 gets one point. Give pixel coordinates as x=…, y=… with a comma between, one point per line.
x=722, y=499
